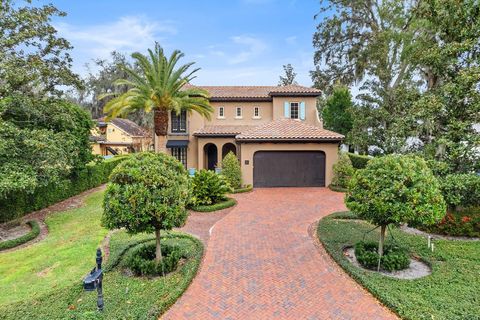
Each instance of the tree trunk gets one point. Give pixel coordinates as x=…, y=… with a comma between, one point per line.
x=158, y=251
x=380, y=245
x=160, y=121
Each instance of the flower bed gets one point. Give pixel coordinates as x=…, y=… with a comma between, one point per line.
x=464, y=223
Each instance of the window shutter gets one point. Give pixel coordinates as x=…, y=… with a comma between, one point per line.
x=302, y=110
x=287, y=109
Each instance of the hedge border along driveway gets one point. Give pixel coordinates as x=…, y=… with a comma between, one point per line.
x=451, y=292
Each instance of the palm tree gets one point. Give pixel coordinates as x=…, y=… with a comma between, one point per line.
x=159, y=86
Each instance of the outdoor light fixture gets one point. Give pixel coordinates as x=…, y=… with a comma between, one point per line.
x=93, y=280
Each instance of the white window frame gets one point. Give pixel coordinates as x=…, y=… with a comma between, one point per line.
x=256, y=116
x=236, y=113
x=298, y=110
x=221, y=112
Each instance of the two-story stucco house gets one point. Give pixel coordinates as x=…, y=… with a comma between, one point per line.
x=275, y=132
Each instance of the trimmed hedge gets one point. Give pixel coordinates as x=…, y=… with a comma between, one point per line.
x=461, y=190
x=17, y=205
x=358, y=161
x=230, y=202
x=247, y=188
x=141, y=261
x=32, y=234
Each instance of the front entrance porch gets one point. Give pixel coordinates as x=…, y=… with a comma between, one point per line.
x=211, y=151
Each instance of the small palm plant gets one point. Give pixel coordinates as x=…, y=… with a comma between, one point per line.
x=158, y=86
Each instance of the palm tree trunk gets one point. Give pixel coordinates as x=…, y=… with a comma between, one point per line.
x=160, y=121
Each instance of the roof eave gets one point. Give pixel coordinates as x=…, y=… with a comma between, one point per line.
x=240, y=99
x=295, y=140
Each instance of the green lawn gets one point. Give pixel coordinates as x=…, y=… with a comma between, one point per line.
x=44, y=280
x=451, y=292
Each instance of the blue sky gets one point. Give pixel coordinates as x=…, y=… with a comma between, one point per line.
x=234, y=42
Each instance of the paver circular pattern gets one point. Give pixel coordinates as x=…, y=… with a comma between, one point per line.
x=260, y=263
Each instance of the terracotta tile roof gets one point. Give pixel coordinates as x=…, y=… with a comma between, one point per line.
x=222, y=130
x=129, y=127
x=288, y=129
x=257, y=92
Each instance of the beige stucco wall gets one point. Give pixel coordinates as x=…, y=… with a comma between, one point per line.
x=311, y=113
x=115, y=134
x=249, y=149
x=96, y=149
x=266, y=113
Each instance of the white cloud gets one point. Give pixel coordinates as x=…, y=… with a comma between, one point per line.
x=127, y=34
x=252, y=47
x=291, y=40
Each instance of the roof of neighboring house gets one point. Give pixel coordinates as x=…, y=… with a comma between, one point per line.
x=130, y=127
x=222, y=131
x=257, y=93
x=98, y=138
x=288, y=129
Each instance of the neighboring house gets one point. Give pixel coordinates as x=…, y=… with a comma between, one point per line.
x=119, y=136
x=275, y=132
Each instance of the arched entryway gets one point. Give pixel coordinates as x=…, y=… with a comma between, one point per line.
x=211, y=155
x=227, y=147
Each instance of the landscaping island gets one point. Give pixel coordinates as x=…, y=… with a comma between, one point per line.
x=47, y=275
x=454, y=267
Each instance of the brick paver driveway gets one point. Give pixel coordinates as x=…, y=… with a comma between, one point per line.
x=261, y=263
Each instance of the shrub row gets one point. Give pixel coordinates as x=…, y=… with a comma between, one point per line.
x=32, y=234
x=393, y=257
x=359, y=161
x=247, y=188
x=461, y=190
x=230, y=202
x=18, y=204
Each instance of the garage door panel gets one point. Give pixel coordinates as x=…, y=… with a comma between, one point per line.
x=289, y=169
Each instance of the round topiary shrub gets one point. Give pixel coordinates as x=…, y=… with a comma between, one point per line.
x=394, y=258
x=147, y=192
x=395, y=189
x=141, y=261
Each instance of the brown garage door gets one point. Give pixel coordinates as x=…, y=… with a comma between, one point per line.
x=289, y=169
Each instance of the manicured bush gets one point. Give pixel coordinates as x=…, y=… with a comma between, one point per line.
x=15, y=205
x=394, y=258
x=230, y=202
x=359, y=161
x=231, y=170
x=461, y=190
x=396, y=189
x=244, y=189
x=32, y=234
x=342, y=171
x=209, y=188
x=141, y=261
x=148, y=192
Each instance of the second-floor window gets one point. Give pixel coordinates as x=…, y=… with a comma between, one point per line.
x=294, y=114
x=179, y=122
x=256, y=112
x=238, y=112
x=221, y=112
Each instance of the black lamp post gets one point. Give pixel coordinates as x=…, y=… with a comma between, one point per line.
x=93, y=280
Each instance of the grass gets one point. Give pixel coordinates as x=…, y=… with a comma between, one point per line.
x=125, y=297
x=450, y=292
x=59, y=260
x=32, y=234
x=230, y=202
